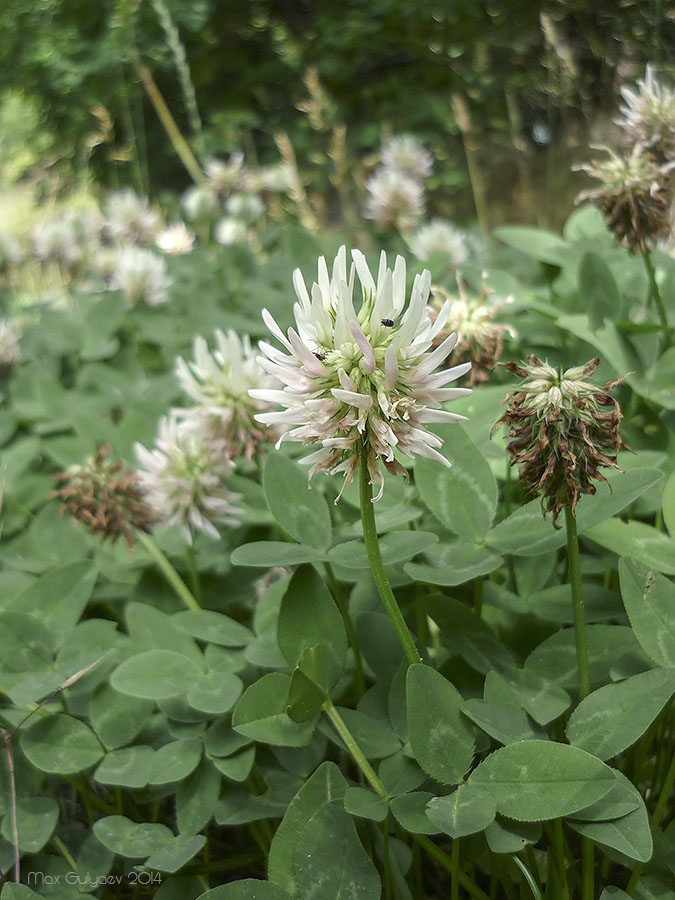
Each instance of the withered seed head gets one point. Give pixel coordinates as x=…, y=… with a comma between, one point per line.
x=563, y=429
x=106, y=496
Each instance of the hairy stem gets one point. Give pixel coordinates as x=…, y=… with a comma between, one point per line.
x=357, y=753
x=377, y=566
x=655, y=295
x=577, y=603
x=168, y=571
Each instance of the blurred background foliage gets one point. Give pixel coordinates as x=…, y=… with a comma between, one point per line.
x=531, y=83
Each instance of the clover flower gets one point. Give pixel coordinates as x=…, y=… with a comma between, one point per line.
x=564, y=429
x=222, y=176
x=183, y=480
x=68, y=240
x=480, y=339
x=247, y=208
x=631, y=196
x=10, y=352
x=231, y=231
x=200, y=203
x=648, y=117
x=176, y=239
x=440, y=238
x=10, y=253
x=142, y=276
x=106, y=496
x=219, y=381
x=406, y=155
x=361, y=382
x=394, y=200
x=129, y=218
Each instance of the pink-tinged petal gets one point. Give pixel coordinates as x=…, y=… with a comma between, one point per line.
x=439, y=415
x=346, y=381
x=270, y=321
x=436, y=357
x=360, y=401
x=301, y=289
x=364, y=346
x=313, y=365
x=283, y=417
x=270, y=396
x=390, y=367
x=363, y=272
x=440, y=395
x=440, y=320
x=444, y=376
x=430, y=453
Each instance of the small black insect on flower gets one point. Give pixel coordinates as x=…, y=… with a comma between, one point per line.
x=389, y=323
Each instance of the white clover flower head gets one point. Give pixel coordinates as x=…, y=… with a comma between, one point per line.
x=10, y=252
x=405, y=154
x=247, y=208
x=624, y=174
x=55, y=242
x=394, y=200
x=440, y=238
x=361, y=382
x=219, y=382
x=182, y=479
x=231, y=231
x=10, y=352
x=276, y=179
x=200, y=203
x=142, y=276
x=648, y=116
x=176, y=239
x=224, y=175
x=129, y=218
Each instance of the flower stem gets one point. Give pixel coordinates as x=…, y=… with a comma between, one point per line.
x=194, y=572
x=341, y=604
x=577, y=603
x=357, y=753
x=168, y=570
x=454, y=887
x=655, y=295
x=435, y=852
x=377, y=566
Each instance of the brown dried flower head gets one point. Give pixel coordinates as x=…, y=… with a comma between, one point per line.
x=106, y=496
x=632, y=196
x=480, y=339
x=564, y=429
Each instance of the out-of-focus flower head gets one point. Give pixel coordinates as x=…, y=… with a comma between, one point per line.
x=275, y=179
x=648, y=117
x=10, y=253
x=176, y=239
x=142, y=276
x=224, y=175
x=68, y=240
x=220, y=381
x=183, y=478
x=246, y=208
x=130, y=219
x=440, y=238
x=631, y=195
x=200, y=203
x=231, y=231
x=480, y=338
x=106, y=496
x=361, y=384
x=564, y=429
x=395, y=200
x=405, y=154
x=10, y=352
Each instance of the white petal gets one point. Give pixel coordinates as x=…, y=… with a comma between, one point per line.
x=361, y=401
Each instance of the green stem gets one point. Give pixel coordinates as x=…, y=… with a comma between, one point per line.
x=65, y=852
x=655, y=295
x=194, y=572
x=356, y=752
x=377, y=566
x=534, y=887
x=435, y=852
x=657, y=815
x=560, y=859
x=168, y=570
x=341, y=604
x=577, y=603
x=454, y=886
x=587, y=869
x=478, y=596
